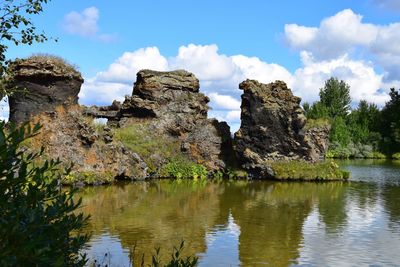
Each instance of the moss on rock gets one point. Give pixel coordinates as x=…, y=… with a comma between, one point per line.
x=306, y=171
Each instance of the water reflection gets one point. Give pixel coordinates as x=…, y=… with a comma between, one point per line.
x=251, y=223
x=222, y=240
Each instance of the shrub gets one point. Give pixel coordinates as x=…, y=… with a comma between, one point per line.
x=88, y=178
x=396, y=156
x=375, y=155
x=338, y=153
x=39, y=224
x=181, y=168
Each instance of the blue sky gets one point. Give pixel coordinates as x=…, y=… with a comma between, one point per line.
x=223, y=42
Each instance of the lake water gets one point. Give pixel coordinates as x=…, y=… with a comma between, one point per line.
x=252, y=223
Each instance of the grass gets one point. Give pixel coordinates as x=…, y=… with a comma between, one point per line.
x=57, y=61
x=305, y=171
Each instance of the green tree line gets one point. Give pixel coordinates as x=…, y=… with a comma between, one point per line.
x=362, y=132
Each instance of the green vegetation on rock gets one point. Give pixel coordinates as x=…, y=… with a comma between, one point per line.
x=163, y=156
x=152, y=148
x=306, y=171
x=182, y=168
x=316, y=123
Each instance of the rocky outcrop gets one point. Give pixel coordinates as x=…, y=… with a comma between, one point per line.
x=165, y=119
x=41, y=84
x=171, y=106
x=272, y=128
x=178, y=109
x=166, y=109
x=75, y=139
x=318, y=139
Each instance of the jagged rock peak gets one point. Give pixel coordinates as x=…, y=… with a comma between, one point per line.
x=276, y=92
x=272, y=128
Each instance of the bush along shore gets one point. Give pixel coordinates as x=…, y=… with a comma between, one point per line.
x=162, y=129
x=362, y=132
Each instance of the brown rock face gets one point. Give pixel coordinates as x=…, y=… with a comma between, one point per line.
x=272, y=128
x=318, y=138
x=43, y=83
x=73, y=138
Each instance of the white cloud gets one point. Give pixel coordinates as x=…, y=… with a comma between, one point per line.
x=364, y=82
x=254, y=68
x=85, y=24
x=300, y=36
x=345, y=33
x=233, y=115
x=225, y=101
x=335, y=36
x=205, y=61
x=124, y=69
x=94, y=92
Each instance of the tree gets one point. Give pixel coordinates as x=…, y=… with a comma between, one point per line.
x=335, y=96
x=39, y=222
x=317, y=111
x=390, y=122
x=17, y=28
x=363, y=124
x=340, y=132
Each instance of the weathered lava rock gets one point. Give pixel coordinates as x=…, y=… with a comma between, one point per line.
x=172, y=106
x=73, y=138
x=318, y=139
x=43, y=82
x=178, y=109
x=272, y=128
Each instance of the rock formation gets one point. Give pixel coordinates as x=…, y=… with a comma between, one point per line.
x=272, y=128
x=165, y=108
x=95, y=155
x=172, y=107
x=318, y=139
x=164, y=120
x=42, y=83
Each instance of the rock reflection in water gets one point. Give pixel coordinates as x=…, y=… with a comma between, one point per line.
x=248, y=223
